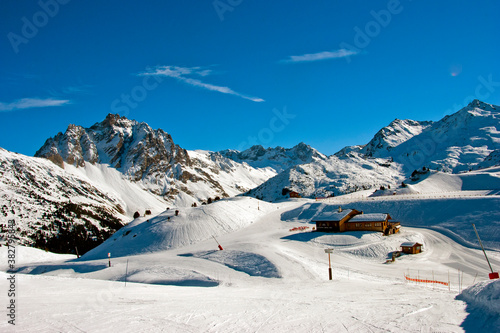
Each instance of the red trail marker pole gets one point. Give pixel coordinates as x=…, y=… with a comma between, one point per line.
x=220, y=247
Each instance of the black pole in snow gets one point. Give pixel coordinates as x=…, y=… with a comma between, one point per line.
x=126, y=273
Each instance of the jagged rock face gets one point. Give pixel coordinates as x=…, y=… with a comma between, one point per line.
x=278, y=158
x=131, y=147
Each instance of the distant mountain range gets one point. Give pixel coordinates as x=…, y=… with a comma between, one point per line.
x=98, y=177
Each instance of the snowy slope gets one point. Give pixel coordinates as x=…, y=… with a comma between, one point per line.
x=267, y=279
x=192, y=225
x=30, y=255
x=278, y=158
x=493, y=159
x=333, y=176
x=50, y=206
x=480, y=182
x=397, y=132
x=483, y=302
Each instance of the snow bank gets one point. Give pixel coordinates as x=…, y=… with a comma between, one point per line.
x=483, y=304
x=484, y=295
x=169, y=276
x=251, y=263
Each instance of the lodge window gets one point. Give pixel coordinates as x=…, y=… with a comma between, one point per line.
x=359, y=225
x=368, y=224
x=378, y=224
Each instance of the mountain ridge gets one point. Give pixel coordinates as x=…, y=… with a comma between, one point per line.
x=119, y=166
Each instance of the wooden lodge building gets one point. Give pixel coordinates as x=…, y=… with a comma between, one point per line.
x=411, y=247
x=354, y=220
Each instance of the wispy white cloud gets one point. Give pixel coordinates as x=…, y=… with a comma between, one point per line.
x=28, y=103
x=185, y=74
x=342, y=53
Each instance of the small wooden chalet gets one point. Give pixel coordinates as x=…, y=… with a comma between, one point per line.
x=411, y=247
x=354, y=220
x=294, y=194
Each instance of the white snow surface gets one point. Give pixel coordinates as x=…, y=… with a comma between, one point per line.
x=483, y=301
x=167, y=231
x=133, y=196
x=268, y=278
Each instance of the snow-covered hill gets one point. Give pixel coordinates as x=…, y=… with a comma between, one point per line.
x=192, y=225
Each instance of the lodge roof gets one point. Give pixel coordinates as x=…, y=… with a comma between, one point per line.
x=410, y=244
x=375, y=217
x=332, y=215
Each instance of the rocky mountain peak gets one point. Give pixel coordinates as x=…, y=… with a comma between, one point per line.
x=277, y=158
x=480, y=105
x=390, y=136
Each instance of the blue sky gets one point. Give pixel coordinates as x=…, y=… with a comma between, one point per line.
x=232, y=73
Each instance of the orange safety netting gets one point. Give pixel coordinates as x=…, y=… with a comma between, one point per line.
x=426, y=281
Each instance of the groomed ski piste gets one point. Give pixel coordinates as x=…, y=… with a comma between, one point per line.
x=168, y=274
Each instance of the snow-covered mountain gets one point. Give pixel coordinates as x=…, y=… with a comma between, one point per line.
x=458, y=142
x=52, y=208
x=493, y=159
x=397, y=132
x=332, y=176
x=278, y=158
x=151, y=158
x=119, y=166
x=467, y=139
